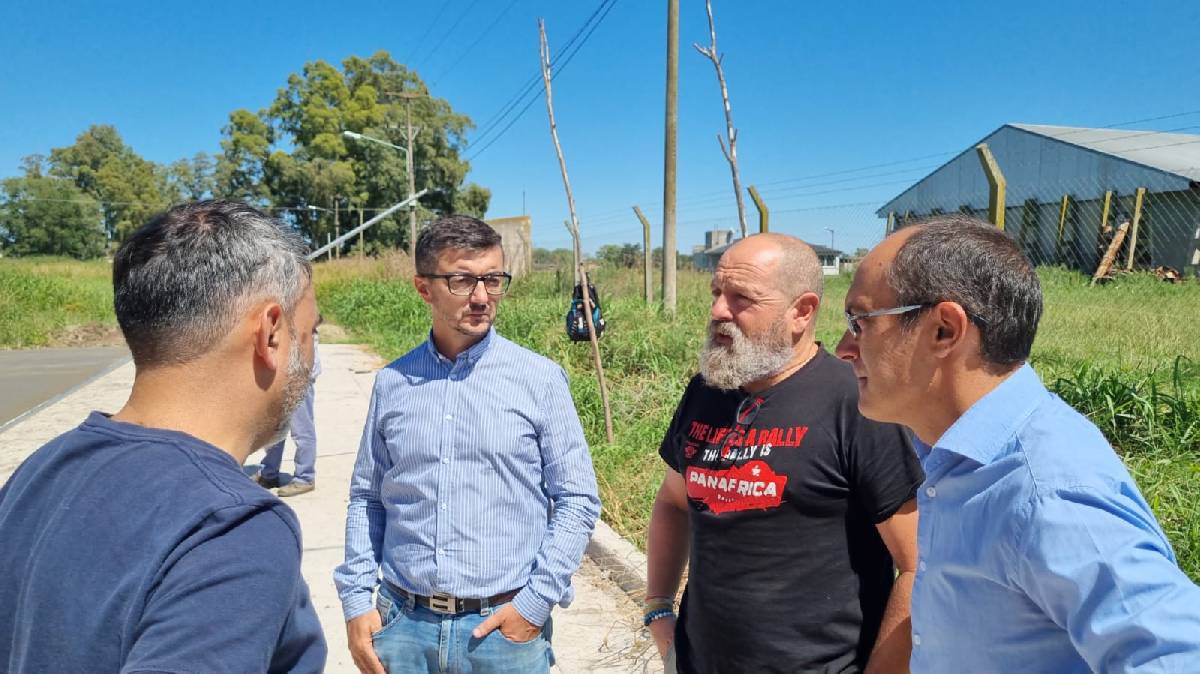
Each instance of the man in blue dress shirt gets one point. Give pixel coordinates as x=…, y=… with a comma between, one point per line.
x=473, y=494
x=1037, y=552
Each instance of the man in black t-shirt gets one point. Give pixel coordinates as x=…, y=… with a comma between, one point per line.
x=796, y=510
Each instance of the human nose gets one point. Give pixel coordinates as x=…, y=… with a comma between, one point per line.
x=479, y=293
x=720, y=309
x=847, y=347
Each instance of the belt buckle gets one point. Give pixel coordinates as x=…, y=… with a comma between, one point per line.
x=440, y=602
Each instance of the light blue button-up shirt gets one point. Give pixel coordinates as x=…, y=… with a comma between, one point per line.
x=1038, y=553
x=473, y=478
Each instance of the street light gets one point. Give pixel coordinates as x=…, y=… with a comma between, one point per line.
x=412, y=185
x=359, y=136
x=830, y=230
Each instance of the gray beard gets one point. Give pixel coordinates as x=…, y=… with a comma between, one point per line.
x=294, y=391
x=745, y=360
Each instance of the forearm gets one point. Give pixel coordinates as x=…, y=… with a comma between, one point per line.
x=666, y=549
x=571, y=523
x=357, y=576
x=893, y=646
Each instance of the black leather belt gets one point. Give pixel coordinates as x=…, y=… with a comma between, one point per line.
x=441, y=602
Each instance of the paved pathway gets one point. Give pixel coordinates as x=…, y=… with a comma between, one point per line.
x=29, y=377
x=599, y=633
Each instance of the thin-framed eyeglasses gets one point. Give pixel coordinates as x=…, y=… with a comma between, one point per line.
x=464, y=284
x=853, y=319
x=743, y=418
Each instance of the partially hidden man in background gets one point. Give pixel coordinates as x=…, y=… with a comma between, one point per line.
x=135, y=542
x=795, y=509
x=473, y=494
x=303, y=429
x=1038, y=553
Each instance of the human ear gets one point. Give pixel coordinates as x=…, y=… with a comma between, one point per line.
x=950, y=326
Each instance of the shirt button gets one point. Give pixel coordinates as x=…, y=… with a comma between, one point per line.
x=441, y=551
x=443, y=506
x=446, y=460
x=449, y=417
x=921, y=566
x=930, y=492
x=916, y=640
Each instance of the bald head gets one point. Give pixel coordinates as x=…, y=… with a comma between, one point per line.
x=789, y=263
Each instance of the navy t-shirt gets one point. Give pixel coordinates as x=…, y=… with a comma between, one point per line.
x=131, y=549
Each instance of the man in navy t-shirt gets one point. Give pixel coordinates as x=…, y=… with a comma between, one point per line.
x=135, y=542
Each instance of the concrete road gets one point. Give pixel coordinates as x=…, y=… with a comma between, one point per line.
x=600, y=632
x=30, y=377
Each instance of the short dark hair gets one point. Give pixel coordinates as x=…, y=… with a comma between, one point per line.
x=956, y=258
x=181, y=280
x=461, y=232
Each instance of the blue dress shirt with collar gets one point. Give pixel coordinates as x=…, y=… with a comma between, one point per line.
x=473, y=478
x=1038, y=553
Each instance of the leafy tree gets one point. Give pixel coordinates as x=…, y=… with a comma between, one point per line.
x=628, y=255
x=129, y=188
x=193, y=179
x=49, y=216
x=294, y=152
x=559, y=257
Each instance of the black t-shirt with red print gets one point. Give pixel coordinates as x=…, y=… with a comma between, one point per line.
x=787, y=571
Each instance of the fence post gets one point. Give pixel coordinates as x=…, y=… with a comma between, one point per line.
x=1062, y=224
x=1133, y=232
x=891, y=223
x=996, y=185
x=764, y=216
x=647, y=257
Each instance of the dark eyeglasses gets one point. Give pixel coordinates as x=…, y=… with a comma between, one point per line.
x=743, y=418
x=464, y=284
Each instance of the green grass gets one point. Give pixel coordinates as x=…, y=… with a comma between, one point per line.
x=40, y=297
x=1126, y=354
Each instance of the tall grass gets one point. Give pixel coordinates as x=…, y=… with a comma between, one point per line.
x=1121, y=371
x=40, y=297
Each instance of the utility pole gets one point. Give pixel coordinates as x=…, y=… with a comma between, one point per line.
x=337, y=231
x=669, y=156
x=412, y=180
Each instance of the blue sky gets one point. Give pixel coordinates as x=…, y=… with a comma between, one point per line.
x=820, y=91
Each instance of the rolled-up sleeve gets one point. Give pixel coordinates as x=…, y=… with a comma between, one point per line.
x=366, y=518
x=570, y=482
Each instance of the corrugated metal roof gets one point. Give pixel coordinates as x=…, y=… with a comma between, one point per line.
x=1176, y=153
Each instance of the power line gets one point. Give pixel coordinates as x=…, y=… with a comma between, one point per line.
x=565, y=63
x=450, y=31
x=474, y=44
x=417, y=45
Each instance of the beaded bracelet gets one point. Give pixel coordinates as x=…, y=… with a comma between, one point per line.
x=657, y=613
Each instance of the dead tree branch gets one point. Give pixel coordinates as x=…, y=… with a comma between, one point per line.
x=730, y=153
x=587, y=297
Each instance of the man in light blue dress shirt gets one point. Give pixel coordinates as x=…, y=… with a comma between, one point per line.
x=1037, y=552
x=473, y=494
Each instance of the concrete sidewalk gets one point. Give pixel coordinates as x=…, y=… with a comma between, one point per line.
x=600, y=632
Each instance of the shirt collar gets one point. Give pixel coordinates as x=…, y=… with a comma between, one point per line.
x=471, y=355
x=987, y=427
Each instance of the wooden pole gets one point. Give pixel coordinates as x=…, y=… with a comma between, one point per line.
x=731, y=153
x=1062, y=225
x=669, y=156
x=337, y=230
x=583, y=279
x=574, y=251
x=1110, y=255
x=764, y=216
x=1133, y=234
x=647, y=257
x=996, y=185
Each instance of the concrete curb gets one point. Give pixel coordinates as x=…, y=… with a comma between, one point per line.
x=620, y=559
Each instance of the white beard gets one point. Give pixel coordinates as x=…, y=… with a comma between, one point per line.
x=745, y=360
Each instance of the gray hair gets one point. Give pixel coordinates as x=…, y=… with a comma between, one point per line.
x=181, y=281
x=956, y=258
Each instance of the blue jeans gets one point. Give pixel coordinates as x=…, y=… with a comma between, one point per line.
x=304, y=434
x=415, y=640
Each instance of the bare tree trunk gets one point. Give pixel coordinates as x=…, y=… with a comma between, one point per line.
x=731, y=152
x=587, y=298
